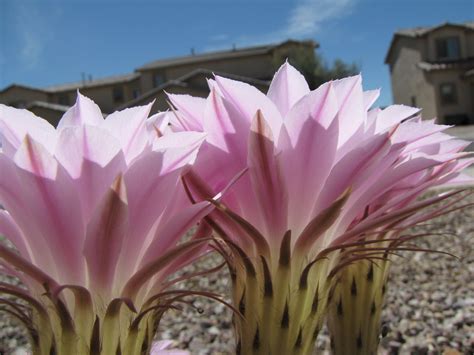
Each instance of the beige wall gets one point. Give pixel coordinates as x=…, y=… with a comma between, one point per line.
x=410, y=81
x=20, y=97
x=463, y=90
x=431, y=38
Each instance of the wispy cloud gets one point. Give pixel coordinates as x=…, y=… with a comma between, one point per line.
x=306, y=19
x=32, y=32
x=219, y=37
x=308, y=16
x=32, y=48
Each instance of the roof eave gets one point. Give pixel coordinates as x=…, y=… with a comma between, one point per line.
x=395, y=37
x=54, y=90
x=11, y=86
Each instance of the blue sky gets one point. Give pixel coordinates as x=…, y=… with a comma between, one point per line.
x=46, y=42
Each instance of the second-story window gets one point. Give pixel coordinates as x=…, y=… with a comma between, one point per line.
x=448, y=93
x=158, y=79
x=118, y=94
x=448, y=48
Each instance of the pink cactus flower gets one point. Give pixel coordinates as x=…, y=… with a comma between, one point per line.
x=94, y=212
x=163, y=348
x=326, y=176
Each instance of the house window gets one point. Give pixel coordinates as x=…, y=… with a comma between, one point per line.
x=136, y=93
x=63, y=99
x=118, y=94
x=448, y=93
x=158, y=79
x=448, y=48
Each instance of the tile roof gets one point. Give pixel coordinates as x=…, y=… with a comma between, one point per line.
x=421, y=31
x=219, y=55
x=21, y=86
x=96, y=82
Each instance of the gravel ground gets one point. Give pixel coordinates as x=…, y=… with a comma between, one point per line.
x=429, y=306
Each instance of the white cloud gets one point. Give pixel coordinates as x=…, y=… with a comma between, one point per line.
x=219, y=37
x=31, y=49
x=305, y=20
x=308, y=15
x=33, y=32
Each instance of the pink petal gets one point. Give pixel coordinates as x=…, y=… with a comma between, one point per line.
x=247, y=100
x=370, y=97
x=459, y=179
x=171, y=230
x=221, y=129
x=319, y=105
x=104, y=238
x=266, y=179
x=129, y=128
x=352, y=114
x=93, y=158
x=84, y=112
x=287, y=87
x=190, y=112
x=158, y=125
x=14, y=200
x=159, y=348
x=179, y=149
x=307, y=160
x=412, y=131
x=393, y=115
x=343, y=174
x=378, y=183
x=51, y=199
x=76, y=144
x=9, y=229
x=15, y=124
x=150, y=191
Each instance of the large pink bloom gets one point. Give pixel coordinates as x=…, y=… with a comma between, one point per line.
x=324, y=169
x=93, y=209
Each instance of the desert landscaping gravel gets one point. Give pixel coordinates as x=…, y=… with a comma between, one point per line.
x=429, y=307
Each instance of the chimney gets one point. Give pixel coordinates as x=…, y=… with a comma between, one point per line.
x=83, y=77
x=234, y=47
x=192, y=51
x=90, y=77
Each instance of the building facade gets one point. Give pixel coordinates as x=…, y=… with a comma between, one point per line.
x=182, y=75
x=433, y=68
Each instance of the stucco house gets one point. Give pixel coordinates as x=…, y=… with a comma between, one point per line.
x=181, y=75
x=433, y=68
